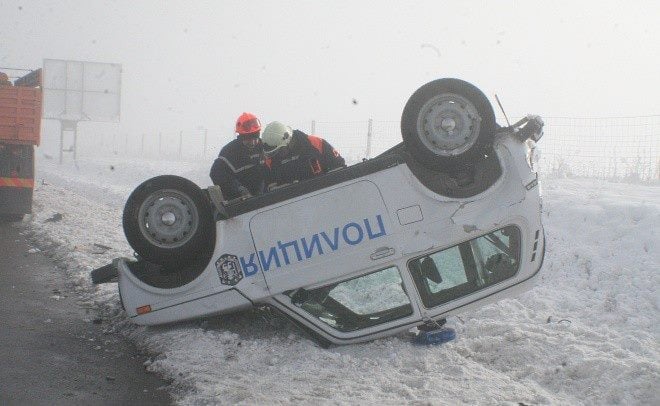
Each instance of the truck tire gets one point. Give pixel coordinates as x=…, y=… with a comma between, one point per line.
x=169, y=221
x=448, y=123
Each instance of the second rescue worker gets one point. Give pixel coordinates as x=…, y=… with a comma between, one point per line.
x=239, y=169
x=4, y=80
x=295, y=156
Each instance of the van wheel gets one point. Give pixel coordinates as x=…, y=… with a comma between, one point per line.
x=448, y=123
x=169, y=221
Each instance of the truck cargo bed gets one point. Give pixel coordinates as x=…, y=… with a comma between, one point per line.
x=20, y=115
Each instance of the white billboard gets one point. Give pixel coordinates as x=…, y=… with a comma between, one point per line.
x=81, y=91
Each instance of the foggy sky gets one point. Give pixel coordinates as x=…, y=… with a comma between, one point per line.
x=189, y=64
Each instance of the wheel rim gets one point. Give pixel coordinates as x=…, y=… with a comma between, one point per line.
x=448, y=124
x=168, y=218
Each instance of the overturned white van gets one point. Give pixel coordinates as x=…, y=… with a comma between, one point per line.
x=446, y=221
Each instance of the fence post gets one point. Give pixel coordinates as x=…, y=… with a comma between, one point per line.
x=180, y=142
x=75, y=142
x=369, y=135
x=206, y=131
x=61, y=143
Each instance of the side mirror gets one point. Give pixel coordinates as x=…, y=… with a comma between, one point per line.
x=533, y=129
x=500, y=264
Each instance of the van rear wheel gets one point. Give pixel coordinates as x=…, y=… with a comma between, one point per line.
x=169, y=221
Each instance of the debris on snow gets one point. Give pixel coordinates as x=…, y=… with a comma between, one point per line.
x=56, y=217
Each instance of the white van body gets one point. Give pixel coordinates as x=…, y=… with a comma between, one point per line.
x=346, y=261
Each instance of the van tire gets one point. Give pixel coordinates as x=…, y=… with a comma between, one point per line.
x=448, y=123
x=169, y=221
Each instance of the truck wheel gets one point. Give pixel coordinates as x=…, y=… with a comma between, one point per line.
x=168, y=221
x=447, y=123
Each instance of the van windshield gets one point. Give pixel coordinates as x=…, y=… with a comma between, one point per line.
x=467, y=267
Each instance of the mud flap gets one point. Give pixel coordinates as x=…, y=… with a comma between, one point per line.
x=106, y=274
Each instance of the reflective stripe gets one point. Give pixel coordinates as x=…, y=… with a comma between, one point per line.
x=17, y=182
x=316, y=143
x=232, y=166
x=289, y=159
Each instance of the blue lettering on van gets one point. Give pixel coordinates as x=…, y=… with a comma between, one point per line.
x=249, y=267
x=272, y=256
x=334, y=243
x=309, y=249
x=304, y=248
x=358, y=230
x=285, y=253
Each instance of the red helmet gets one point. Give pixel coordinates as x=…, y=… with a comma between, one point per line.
x=247, y=123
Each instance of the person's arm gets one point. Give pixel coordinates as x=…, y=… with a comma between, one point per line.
x=330, y=157
x=223, y=176
x=270, y=176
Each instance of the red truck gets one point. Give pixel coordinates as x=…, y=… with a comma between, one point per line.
x=20, y=132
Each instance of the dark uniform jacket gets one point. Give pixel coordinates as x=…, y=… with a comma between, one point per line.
x=238, y=166
x=308, y=156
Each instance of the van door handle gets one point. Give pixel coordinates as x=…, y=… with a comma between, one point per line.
x=382, y=253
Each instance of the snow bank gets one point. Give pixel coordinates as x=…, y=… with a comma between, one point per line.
x=587, y=334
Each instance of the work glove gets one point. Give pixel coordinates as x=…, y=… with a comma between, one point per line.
x=244, y=191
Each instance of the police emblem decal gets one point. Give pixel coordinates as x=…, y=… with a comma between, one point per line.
x=229, y=269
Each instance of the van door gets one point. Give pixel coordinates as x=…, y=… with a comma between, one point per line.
x=321, y=236
x=356, y=309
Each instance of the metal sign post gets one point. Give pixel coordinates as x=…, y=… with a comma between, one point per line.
x=68, y=125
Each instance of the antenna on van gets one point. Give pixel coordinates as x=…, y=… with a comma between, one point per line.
x=502, y=108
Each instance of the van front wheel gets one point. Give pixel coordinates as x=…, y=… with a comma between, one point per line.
x=448, y=123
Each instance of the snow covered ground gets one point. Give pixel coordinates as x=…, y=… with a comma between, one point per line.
x=587, y=334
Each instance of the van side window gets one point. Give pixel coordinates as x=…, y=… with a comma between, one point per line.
x=357, y=303
x=467, y=267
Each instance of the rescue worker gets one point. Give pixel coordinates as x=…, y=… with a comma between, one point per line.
x=295, y=156
x=239, y=169
x=4, y=80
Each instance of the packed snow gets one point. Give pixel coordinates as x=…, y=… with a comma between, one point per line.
x=587, y=334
